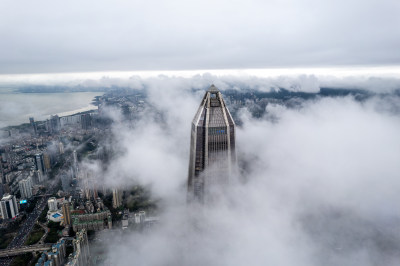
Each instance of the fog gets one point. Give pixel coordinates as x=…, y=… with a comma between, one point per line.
x=318, y=184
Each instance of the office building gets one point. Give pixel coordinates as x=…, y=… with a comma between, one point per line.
x=25, y=187
x=212, y=148
x=8, y=207
x=52, y=203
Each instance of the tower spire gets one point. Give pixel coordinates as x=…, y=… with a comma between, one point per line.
x=213, y=88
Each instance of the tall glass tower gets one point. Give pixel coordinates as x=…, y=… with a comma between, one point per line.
x=212, y=148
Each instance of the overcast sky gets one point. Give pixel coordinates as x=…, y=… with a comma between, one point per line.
x=73, y=36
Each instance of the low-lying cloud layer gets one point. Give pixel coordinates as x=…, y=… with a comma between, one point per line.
x=318, y=185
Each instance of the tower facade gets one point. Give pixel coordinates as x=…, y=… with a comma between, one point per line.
x=212, y=148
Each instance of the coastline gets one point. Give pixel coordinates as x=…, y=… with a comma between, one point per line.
x=16, y=108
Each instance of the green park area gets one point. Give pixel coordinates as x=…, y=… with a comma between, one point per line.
x=23, y=259
x=5, y=238
x=35, y=235
x=55, y=231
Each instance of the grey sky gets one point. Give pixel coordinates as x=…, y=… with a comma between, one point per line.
x=48, y=36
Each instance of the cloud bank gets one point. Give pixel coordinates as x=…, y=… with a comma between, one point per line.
x=318, y=185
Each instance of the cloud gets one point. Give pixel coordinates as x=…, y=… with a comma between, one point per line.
x=318, y=184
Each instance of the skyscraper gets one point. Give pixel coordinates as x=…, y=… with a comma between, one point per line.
x=33, y=125
x=40, y=163
x=66, y=213
x=86, y=121
x=25, y=187
x=46, y=162
x=61, y=147
x=117, y=198
x=75, y=163
x=212, y=148
x=52, y=203
x=8, y=207
x=55, y=125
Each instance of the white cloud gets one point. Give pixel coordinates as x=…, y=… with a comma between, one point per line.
x=320, y=186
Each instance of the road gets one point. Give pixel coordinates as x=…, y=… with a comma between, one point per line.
x=46, y=230
x=24, y=249
x=26, y=228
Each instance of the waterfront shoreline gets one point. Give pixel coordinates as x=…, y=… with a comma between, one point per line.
x=16, y=108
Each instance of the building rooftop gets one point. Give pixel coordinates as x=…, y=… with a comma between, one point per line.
x=7, y=197
x=213, y=88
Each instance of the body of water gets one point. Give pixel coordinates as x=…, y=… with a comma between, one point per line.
x=16, y=108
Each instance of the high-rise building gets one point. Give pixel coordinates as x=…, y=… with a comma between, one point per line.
x=8, y=207
x=40, y=163
x=212, y=148
x=39, y=176
x=75, y=163
x=33, y=125
x=66, y=213
x=55, y=256
x=25, y=187
x=52, y=202
x=61, y=147
x=46, y=162
x=86, y=121
x=1, y=190
x=81, y=254
x=117, y=198
x=66, y=181
x=55, y=125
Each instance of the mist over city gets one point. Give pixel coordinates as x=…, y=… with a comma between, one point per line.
x=200, y=133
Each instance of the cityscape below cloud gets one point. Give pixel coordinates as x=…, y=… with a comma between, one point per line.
x=190, y=133
x=317, y=169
